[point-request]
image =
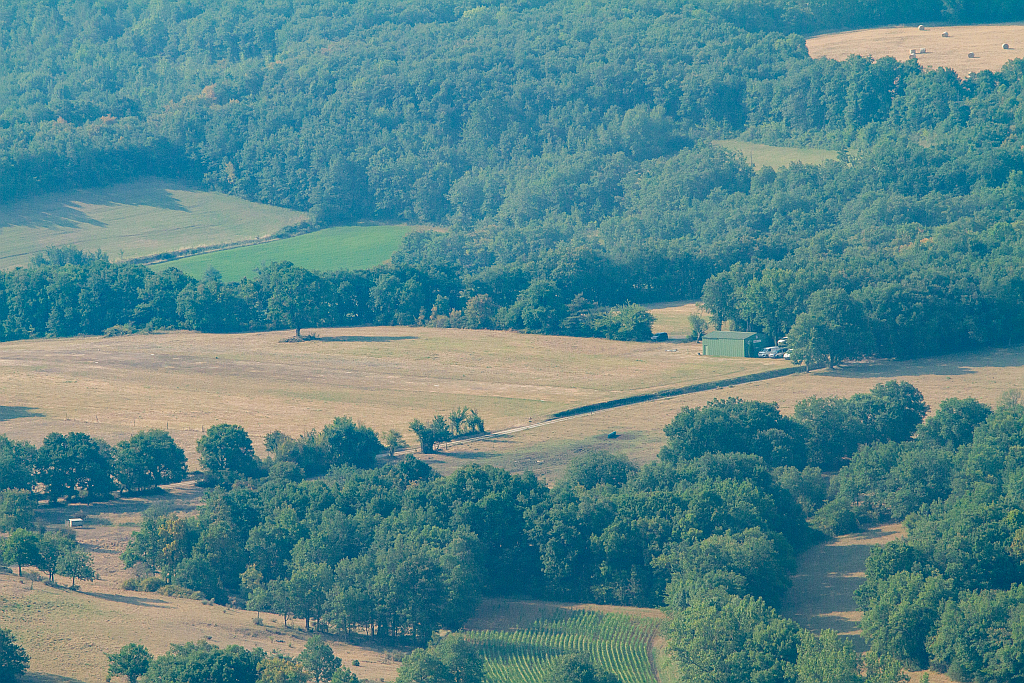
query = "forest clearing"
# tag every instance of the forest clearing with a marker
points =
(760, 156)
(346, 246)
(132, 220)
(111, 387)
(950, 52)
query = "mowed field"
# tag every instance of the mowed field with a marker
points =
(385, 377)
(66, 634)
(132, 220)
(985, 41)
(349, 247)
(184, 381)
(760, 155)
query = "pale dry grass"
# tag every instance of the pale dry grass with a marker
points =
(66, 633)
(134, 219)
(184, 381)
(985, 41)
(771, 156)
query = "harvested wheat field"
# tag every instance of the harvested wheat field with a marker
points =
(984, 41)
(66, 633)
(383, 376)
(547, 449)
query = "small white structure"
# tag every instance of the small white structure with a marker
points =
(913, 52)
(1006, 46)
(922, 51)
(945, 34)
(75, 522)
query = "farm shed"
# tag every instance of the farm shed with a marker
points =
(733, 344)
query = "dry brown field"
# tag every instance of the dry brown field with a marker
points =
(985, 41)
(184, 381)
(66, 634)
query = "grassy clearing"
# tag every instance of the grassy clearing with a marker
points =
(777, 157)
(345, 247)
(135, 219)
(385, 376)
(985, 41)
(617, 643)
(66, 633)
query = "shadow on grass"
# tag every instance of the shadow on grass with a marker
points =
(140, 601)
(358, 338)
(15, 412)
(37, 677)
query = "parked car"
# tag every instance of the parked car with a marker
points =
(787, 355)
(768, 351)
(784, 342)
(776, 352)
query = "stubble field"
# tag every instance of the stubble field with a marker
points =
(985, 41)
(134, 219)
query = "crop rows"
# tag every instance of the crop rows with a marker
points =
(615, 642)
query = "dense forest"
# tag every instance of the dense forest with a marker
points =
(325, 533)
(566, 147)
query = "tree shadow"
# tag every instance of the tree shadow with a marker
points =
(15, 412)
(140, 601)
(359, 338)
(38, 677)
(63, 210)
(949, 365)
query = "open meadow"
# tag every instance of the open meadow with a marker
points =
(771, 156)
(984, 41)
(348, 247)
(384, 376)
(66, 634)
(132, 220)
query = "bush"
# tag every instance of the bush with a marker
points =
(172, 591)
(835, 518)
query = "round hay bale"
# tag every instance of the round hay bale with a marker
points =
(913, 52)
(970, 55)
(1006, 46)
(945, 34)
(920, 27)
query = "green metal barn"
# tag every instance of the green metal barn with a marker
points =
(733, 344)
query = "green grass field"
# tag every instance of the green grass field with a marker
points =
(615, 642)
(135, 219)
(349, 247)
(777, 157)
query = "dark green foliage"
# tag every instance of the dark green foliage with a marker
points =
(593, 469)
(225, 448)
(207, 663)
(15, 464)
(17, 509)
(74, 465)
(76, 564)
(835, 427)
(21, 547)
(738, 639)
(13, 660)
(447, 660)
(831, 330)
(582, 185)
(735, 425)
(576, 668)
(147, 460)
(131, 661)
(318, 659)
(53, 546)
(954, 422)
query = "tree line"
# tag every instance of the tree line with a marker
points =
(586, 183)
